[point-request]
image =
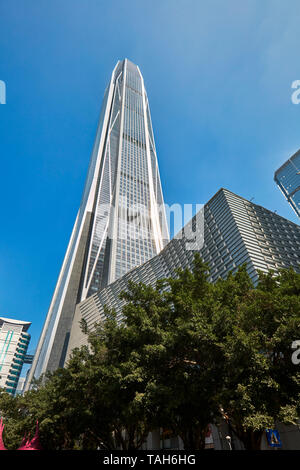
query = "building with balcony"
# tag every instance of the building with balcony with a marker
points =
(14, 341)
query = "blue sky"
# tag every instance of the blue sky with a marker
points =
(218, 76)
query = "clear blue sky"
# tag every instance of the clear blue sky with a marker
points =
(218, 76)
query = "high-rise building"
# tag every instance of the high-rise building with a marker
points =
(236, 232)
(287, 178)
(14, 340)
(121, 221)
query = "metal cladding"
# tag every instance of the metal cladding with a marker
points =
(235, 232)
(121, 222)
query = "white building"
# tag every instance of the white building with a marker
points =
(14, 341)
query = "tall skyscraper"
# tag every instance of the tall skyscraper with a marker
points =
(121, 222)
(287, 178)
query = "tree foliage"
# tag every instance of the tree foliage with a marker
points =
(185, 354)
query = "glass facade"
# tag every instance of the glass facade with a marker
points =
(123, 234)
(120, 222)
(287, 178)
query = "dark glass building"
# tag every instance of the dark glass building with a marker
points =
(287, 178)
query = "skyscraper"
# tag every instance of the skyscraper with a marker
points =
(287, 178)
(121, 222)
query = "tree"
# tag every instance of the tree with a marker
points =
(114, 386)
(169, 330)
(186, 353)
(261, 385)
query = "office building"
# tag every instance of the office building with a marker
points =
(287, 177)
(121, 222)
(236, 231)
(14, 341)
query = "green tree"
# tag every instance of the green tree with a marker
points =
(170, 332)
(186, 353)
(261, 384)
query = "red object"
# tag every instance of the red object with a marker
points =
(26, 444)
(34, 444)
(208, 432)
(2, 446)
(24, 440)
(35, 441)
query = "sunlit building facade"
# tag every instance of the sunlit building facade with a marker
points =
(235, 232)
(14, 341)
(121, 222)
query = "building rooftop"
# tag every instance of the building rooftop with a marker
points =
(26, 324)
